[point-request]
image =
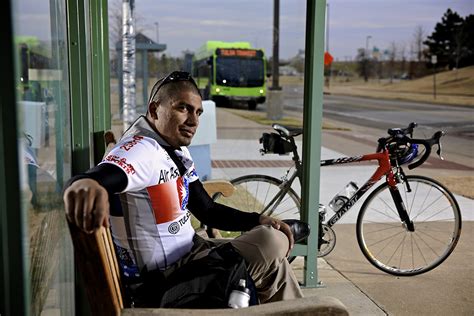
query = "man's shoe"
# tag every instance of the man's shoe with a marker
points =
(299, 229)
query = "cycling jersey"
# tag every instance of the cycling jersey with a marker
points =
(151, 227)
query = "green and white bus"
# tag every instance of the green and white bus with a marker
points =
(231, 71)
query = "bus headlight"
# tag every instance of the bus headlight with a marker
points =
(261, 91)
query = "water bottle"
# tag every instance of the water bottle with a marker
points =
(343, 196)
(240, 296)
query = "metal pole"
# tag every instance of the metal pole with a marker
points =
(327, 45)
(434, 81)
(157, 37)
(14, 250)
(312, 121)
(367, 46)
(128, 56)
(276, 44)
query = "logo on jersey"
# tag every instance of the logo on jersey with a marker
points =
(122, 163)
(173, 228)
(183, 191)
(167, 175)
(128, 145)
(193, 173)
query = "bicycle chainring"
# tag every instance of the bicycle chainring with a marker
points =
(327, 242)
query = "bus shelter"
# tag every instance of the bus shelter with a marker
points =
(77, 86)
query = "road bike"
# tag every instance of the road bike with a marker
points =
(406, 226)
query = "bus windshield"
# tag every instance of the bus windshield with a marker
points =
(239, 72)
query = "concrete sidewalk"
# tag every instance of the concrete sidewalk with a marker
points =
(238, 140)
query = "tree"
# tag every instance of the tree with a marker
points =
(418, 45)
(452, 41)
(364, 65)
(392, 54)
(403, 57)
(464, 49)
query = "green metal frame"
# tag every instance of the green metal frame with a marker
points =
(312, 121)
(80, 90)
(90, 83)
(100, 75)
(89, 91)
(14, 285)
(100, 64)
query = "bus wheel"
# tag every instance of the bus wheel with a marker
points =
(252, 104)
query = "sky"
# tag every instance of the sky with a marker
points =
(187, 24)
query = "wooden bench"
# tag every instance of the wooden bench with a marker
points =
(97, 264)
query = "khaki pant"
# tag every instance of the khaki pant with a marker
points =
(264, 248)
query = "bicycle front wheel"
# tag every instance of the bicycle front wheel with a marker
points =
(390, 246)
(262, 194)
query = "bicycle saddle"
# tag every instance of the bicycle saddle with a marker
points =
(288, 131)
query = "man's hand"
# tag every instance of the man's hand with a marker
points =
(278, 224)
(87, 205)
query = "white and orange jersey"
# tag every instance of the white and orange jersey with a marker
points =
(151, 226)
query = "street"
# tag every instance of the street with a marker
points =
(375, 116)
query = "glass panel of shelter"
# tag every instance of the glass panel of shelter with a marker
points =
(43, 107)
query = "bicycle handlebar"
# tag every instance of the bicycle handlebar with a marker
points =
(400, 137)
(427, 143)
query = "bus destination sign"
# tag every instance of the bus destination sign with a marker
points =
(238, 52)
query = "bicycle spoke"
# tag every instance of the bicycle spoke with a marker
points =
(419, 250)
(383, 229)
(265, 195)
(413, 200)
(436, 213)
(385, 239)
(393, 211)
(392, 239)
(430, 236)
(427, 207)
(386, 215)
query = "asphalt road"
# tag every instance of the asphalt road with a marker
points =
(379, 115)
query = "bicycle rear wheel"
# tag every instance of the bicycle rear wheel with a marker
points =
(261, 194)
(390, 246)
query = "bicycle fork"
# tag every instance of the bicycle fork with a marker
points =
(401, 209)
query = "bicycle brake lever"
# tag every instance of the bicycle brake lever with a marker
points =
(438, 142)
(439, 150)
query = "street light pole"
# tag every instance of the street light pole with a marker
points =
(157, 37)
(327, 27)
(276, 44)
(328, 79)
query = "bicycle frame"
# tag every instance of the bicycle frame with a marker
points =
(384, 168)
(383, 237)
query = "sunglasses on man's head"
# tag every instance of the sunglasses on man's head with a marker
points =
(175, 76)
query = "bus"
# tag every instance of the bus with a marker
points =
(230, 71)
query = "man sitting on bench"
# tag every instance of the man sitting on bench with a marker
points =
(152, 172)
